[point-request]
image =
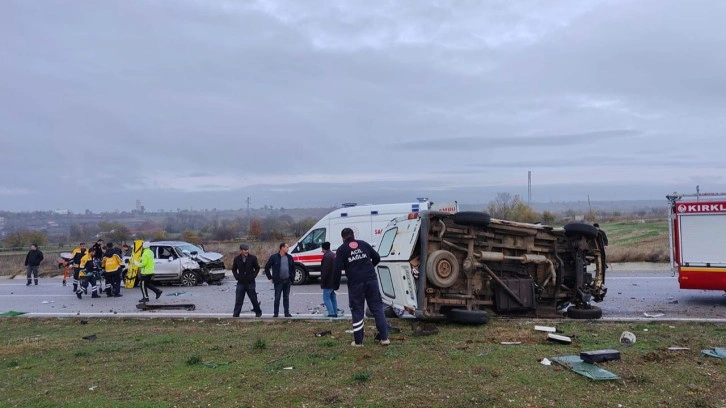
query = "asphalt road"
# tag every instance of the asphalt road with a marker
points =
(631, 294)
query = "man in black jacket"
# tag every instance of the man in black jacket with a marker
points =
(359, 261)
(327, 281)
(283, 270)
(245, 269)
(32, 262)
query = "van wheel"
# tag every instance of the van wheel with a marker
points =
(591, 312)
(468, 316)
(189, 278)
(442, 268)
(580, 228)
(475, 218)
(301, 275)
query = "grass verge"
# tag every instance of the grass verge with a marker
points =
(165, 362)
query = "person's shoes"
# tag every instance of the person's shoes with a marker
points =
(143, 300)
(28, 284)
(79, 295)
(118, 295)
(288, 315)
(158, 294)
(36, 281)
(258, 314)
(332, 315)
(275, 315)
(385, 342)
(64, 282)
(95, 295)
(354, 344)
(234, 315)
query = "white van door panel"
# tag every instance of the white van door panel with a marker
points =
(397, 285)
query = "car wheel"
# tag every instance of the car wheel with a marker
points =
(442, 268)
(301, 275)
(590, 312)
(189, 278)
(476, 218)
(468, 316)
(580, 228)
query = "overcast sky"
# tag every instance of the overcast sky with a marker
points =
(202, 103)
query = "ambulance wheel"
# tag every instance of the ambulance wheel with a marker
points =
(580, 228)
(301, 275)
(591, 312)
(442, 268)
(189, 278)
(476, 218)
(468, 316)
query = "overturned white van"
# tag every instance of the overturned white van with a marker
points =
(458, 266)
(367, 222)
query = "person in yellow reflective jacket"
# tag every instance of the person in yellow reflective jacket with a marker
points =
(146, 272)
(75, 262)
(87, 275)
(112, 266)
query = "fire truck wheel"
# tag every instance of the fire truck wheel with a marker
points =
(592, 312)
(442, 268)
(468, 316)
(301, 275)
(580, 228)
(476, 218)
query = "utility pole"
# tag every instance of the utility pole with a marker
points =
(529, 188)
(249, 220)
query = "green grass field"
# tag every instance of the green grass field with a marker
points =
(226, 363)
(637, 241)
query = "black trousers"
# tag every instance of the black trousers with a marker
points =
(250, 290)
(146, 285)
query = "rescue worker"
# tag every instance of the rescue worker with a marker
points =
(32, 262)
(112, 265)
(97, 251)
(245, 269)
(359, 259)
(146, 272)
(283, 269)
(87, 275)
(75, 261)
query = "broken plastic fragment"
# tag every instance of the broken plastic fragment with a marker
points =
(545, 361)
(627, 338)
(545, 329)
(652, 315)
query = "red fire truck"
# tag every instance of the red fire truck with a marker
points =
(697, 244)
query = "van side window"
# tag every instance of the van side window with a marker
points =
(313, 240)
(387, 242)
(384, 276)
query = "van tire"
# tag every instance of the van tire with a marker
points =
(580, 228)
(591, 312)
(301, 275)
(189, 278)
(468, 316)
(476, 218)
(442, 268)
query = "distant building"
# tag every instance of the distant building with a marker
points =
(61, 212)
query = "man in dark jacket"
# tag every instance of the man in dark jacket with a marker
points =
(32, 262)
(245, 269)
(283, 270)
(359, 261)
(327, 281)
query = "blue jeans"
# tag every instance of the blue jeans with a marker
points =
(331, 302)
(282, 288)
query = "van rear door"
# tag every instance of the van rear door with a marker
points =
(397, 250)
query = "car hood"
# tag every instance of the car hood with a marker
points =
(209, 256)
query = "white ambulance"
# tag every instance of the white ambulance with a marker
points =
(366, 221)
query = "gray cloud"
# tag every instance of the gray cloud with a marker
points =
(190, 101)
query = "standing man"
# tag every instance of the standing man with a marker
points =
(32, 262)
(97, 251)
(245, 269)
(112, 265)
(327, 281)
(146, 272)
(359, 259)
(75, 261)
(87, 275)
(283, 267)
